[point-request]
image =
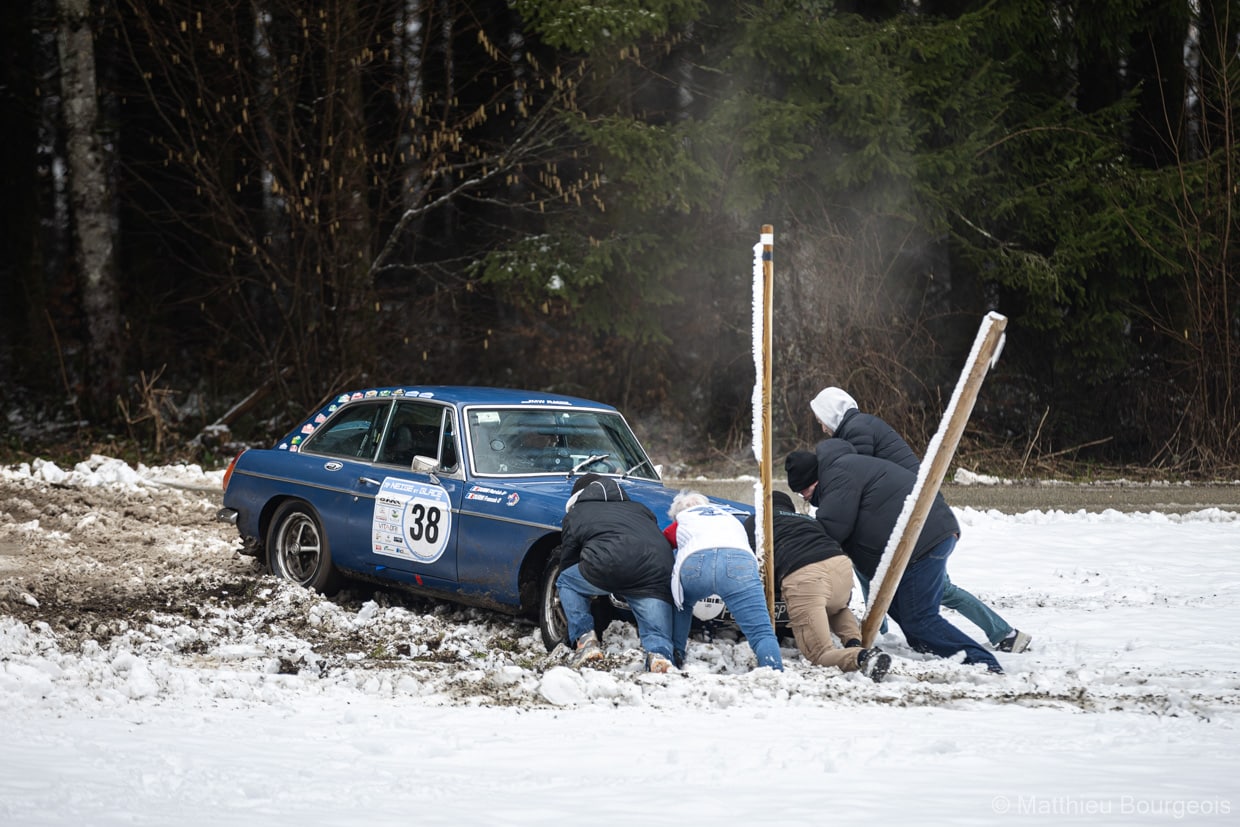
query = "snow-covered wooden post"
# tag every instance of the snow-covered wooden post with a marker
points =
(763, 279)
(986, 349)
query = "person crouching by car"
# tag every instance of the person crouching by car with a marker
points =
(612, 545)
(713, 558)
(815, 579)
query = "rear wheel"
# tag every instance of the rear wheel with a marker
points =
(298, 551)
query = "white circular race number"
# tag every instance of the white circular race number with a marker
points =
(411, 520)
(425, 525)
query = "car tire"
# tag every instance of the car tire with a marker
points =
(551, 620)
(298, 551)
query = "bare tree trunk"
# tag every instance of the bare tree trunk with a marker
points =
(92, 200)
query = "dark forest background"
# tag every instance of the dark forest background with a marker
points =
(220, 213)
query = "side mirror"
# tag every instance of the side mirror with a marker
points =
(425, 465)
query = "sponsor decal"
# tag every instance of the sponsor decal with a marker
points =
(483, 493)
(486, 498)
(513, 499)
(482, 489)
(333, 466)
(308, 428)
(411, 521)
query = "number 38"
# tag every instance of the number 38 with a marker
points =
(424, 523)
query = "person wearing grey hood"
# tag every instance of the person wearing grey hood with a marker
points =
(859, 500)
(839, 416)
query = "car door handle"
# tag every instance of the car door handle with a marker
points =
(369, 481)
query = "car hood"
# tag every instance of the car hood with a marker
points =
(544, 499)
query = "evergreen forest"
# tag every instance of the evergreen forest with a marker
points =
(217, 215)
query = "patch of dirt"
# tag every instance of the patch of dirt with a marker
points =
(91, 564)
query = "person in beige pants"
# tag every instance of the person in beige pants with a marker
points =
(815, 578)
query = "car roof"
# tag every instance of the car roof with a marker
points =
(456, 395)
(471, 395)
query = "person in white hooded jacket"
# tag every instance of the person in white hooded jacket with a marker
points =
(839, 416)
(713, 558)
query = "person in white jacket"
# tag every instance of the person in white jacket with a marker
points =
(713, 558)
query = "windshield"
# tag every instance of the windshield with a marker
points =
(522, 441)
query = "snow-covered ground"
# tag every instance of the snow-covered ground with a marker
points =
(149, 675)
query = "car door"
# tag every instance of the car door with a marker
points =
(410, 524)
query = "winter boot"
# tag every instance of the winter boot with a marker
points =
(873, 664)
(1015, 643)
(587, 650)
(657, 663)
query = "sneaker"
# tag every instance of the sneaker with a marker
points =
(1015, 643)
(873, 664)
(657, 663)
(587, 650)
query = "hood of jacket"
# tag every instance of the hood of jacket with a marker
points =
(830, 405)
(595, 488)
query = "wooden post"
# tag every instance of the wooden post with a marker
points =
(986, 349)
(763, 504)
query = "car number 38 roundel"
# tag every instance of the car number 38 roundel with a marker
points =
(411, 521)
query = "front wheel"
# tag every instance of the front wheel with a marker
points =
(298, 551)
(551, 620)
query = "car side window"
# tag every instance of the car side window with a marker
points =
(352, 433)
(415, 431)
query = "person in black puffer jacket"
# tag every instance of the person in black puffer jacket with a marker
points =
(871, 436)
(837, 412)
(815, 579)
(859, 500)
(612, 545)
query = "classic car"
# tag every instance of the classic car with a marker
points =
(450, 492)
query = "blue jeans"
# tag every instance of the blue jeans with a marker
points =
(654, 616)
(915, 607)
(981, 615)
(731, 573)
(954, 597)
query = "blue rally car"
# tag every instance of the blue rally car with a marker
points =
(450, 492)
